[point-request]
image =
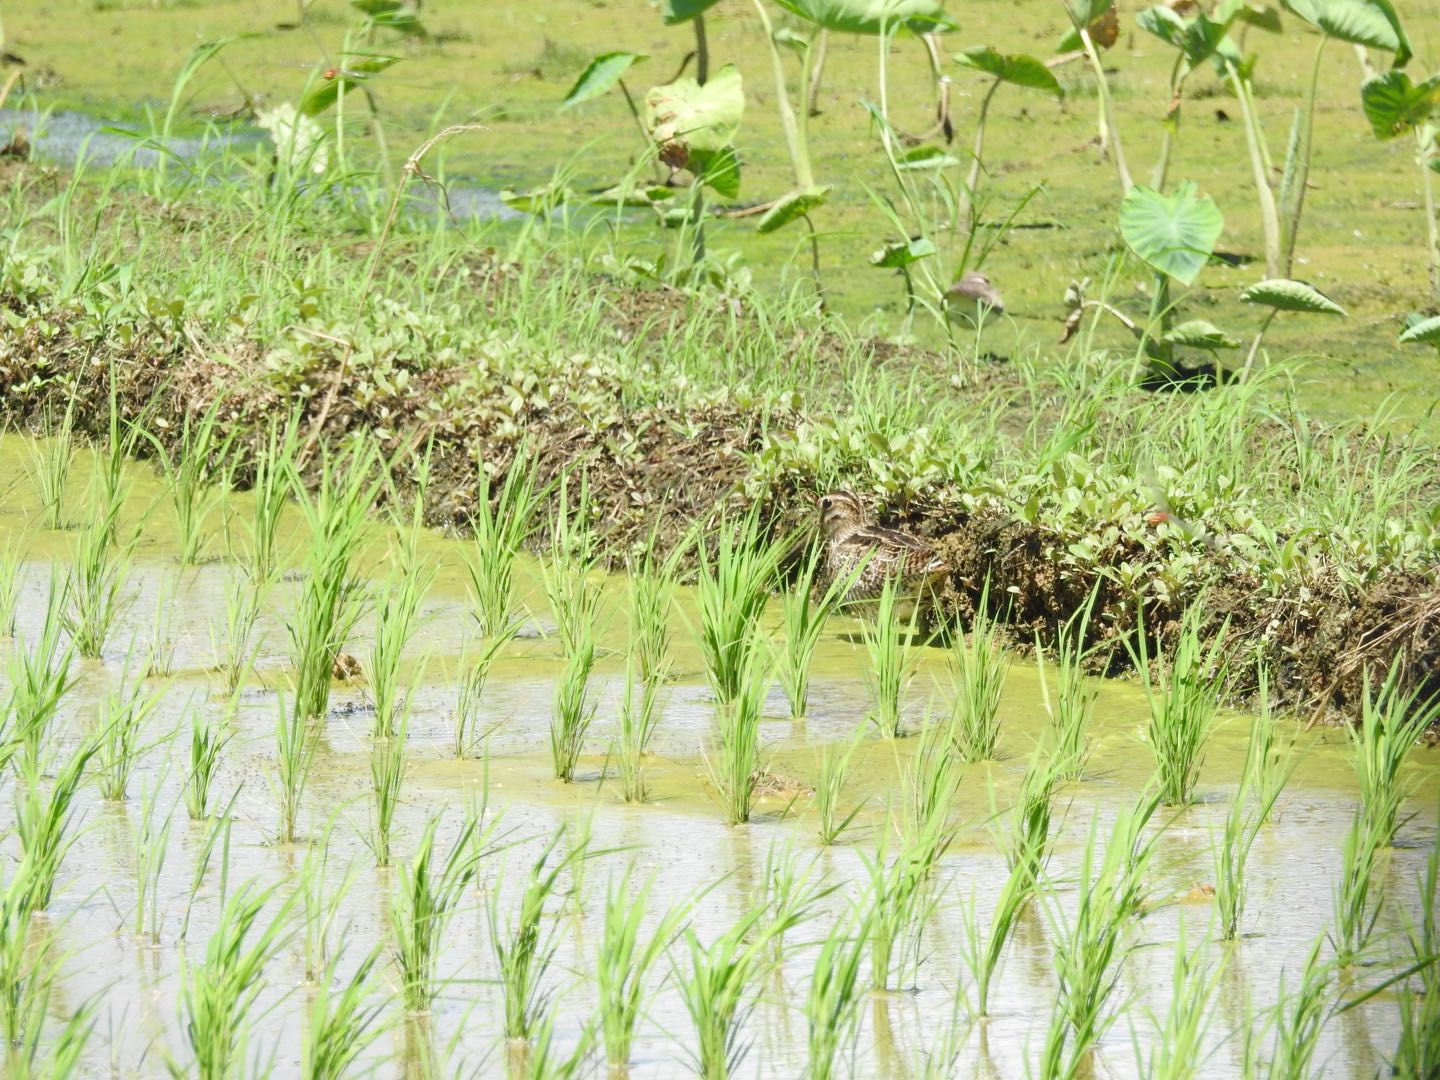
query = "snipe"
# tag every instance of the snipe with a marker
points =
(853, 541)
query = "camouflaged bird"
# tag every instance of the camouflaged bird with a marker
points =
(855, 545)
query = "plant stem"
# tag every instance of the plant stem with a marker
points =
(794, 140)
(1260, 168)
(1292, 193)
(817, 70)
(1255, 345)
(1424, 136)
(973, 180)
(1172, 123)
(702, 51)
(1109, 133)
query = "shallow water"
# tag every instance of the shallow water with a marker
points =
(678, 837)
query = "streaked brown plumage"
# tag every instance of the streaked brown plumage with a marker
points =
(851, 539)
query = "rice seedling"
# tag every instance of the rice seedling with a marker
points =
(1391, 722)
(575, 603)
(1183, 709)
(39, 678)
(295, 746)
(468, 738)
(160, 649)
(218, 993)
(718, 985)
(1299, 1019)
(207, 741)
(274, 465)
(890, 643)
(329, 603)
(1263, 781)
(397, 611)
(11, 578)
(638, 719)
(24, 967)
(43, 819)
(1074, 706)
(803, 621)
(540, 1060)
(50, 464)
(321, 899)
(189, 469)
(1027, 844)
(1268, 764)
(427, 895)
(733, 760)
(983, 951)
(387, 777)
(1178, 1049)
(978, 667)
(731, 587)
(652, 588)
(215, 833)
(343, 1020)
(524, 950)
(1091, 946)
(1358, 890)
(149, 849)
(95, 586)
(790, 894)
(626, 958)
(124, 714)
(832, 1001)
(1417, 1053)
(235, 643)
(502, 523)
(930, 779)
(902, 895)
(833, 768)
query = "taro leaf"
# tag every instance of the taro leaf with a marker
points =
(1099, 17)
(684, 116)
(395, 14)
(792, 205)
(1264, 18)
(902, 253)
(1014, 68)
(1197, 38)
(600, 75)
(1393, 105)
(869, 16)
(720, 169)
(1284, 294)
(539, 200)
(1199, 334)
(353, 74)
(1173, 233)
(626, 195)
(1425, 330)
(1362, 22)
(926, 157)
(678, 11)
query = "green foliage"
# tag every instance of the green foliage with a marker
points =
(1285, 295)
(427, 894)
(871, 16)
(600, 75)
(1175, 233)
(1015, 68)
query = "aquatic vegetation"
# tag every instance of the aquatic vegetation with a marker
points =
(804, 620)
(321, 901)
(387, 778)
(575, 603)
(638, 720)
(1182, 708)
(626, 959)
(207, 742)
(95, 586)
(1179, 1049)
(397, 610)
(44, 818)
(832, 769)
(978, 666)
(732, 583)
(119, 732)
(651, 595)
(1263, 780)
(467, 738)
(1359, 888)
(295, 746)
(1299, 1017)
(189, 471)
(894, 653)
(902, 894)
(1391, 722)
(1418, 1051)
(270, 490)
(572, 711)
(39, 677)
(1073, 710)
(732, 760)
(11, 559)
(341, 1024)
(234, 641)
(502, 522)
(150, 846)
(832, 1004)
(50, 464)
(523, 951)
(427, 895)
(930, 779)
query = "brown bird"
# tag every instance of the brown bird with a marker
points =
(854, 545)
(974, 298)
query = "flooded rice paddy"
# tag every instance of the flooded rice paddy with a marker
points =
(678, 838)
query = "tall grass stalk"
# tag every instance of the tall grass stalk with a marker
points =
(731, 588)
(894, 653)
(467, 737)
(218, 993)
(502, 523)
(295, 747)
(1262, 781)
(1359, 889)
(626, 958)
(639, 714)
(1418, 1051)
(235, 643)
(832, 1001)
(95, 587)
(150, 847)
(652, 590)
(427, 895)
(39, 678)
(189, 470)
(1392, 721)
(11, 579)
(50, 464)
(44, 818)
(1073, 708)
(978, 667)
(274, 467)
(207, 742)
(524, 950)
(387, 777)
(1178, 1049)
(902, 894)
(732, 762)
(1183, 707)
(345, 1017)
(124, 714)
(1299, 1019)
(329, 603)
(803, 622)
(833, 768)
(983, 951)
(719, 986)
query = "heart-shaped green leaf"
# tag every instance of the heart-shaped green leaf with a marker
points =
(903, 252)
(1199, 334)
(683, 116)
(1426, 331)
(1394, 105)
(792, 205)
(1197, 38)
(869, 16)
(1173, 233)
(1362, 22)
(352, 75)
(718, 169)
(1284, 294)
(600, 75)
(1016, 68)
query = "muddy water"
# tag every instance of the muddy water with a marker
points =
(679, 838)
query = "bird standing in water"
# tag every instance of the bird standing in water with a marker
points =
(872, 554)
